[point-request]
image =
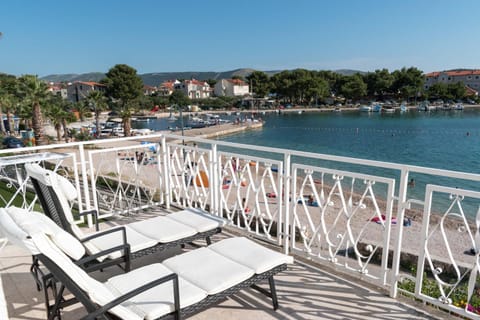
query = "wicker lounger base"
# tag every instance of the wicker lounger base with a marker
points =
(164, 246)
(251, 282)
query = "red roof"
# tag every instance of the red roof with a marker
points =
(196, 82)
(453, 73)
(90, 83)
(237, 82)
(168, 84)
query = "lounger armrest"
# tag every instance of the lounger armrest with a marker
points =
(125, 246)
(86, 259)
(105, 232)
(176, 296)
(94, 213)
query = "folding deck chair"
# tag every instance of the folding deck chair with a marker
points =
(178, 287)
(123, 243)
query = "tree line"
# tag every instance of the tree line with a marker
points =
(307, 87)
(28, 98)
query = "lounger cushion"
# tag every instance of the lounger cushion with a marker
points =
(12, 231)
(49, 177)
(157, 301)
(250, 254)
(65, 241)
(208, 270)
(136, 240)
(96, 290)
(197, 219)
(162, 229)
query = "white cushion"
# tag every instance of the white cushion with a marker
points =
(208, 270)
(98, 292)
(250, 254)
(12, 231)
(158, 300)
(197, 219)
(46, 177)
(32, 222)
(136, 240)
(66, 186)
(162, 229)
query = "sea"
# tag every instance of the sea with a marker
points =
(441, 139)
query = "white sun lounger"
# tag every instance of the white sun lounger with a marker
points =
(130, 241)
(178, 286)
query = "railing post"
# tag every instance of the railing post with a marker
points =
(214, 183)
(286, 178)
(166, 171)
(402, 200)
(86, 192)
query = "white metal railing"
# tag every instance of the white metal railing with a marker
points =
(347, 223)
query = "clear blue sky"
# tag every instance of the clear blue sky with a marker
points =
(53, 36)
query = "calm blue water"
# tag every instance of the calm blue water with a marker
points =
(444, 140)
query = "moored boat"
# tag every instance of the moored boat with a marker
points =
(365, 108)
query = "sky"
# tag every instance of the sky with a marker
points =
(57, 37)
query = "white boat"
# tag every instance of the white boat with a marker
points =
(403, 108)
(388, 109)
(172, 118)
(365, 108)
(425, 106)
(458, 106)
(337, 110)
(196, 122)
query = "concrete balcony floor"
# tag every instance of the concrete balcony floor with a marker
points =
(304, 292)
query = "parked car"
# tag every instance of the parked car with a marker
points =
(12, 142)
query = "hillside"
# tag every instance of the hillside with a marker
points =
(156, 78)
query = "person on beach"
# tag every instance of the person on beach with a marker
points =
(244, 205)
(411, 183)
(310, 200)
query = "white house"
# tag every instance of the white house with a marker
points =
(470, 78)
(231, 88)
(194, 89)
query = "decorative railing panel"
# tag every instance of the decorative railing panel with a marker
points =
(341, 217)
(125, 179)
(250, 194)
(449, 262)
(14, 178)
(190, 176)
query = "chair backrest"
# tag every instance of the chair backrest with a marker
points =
(54, 193)
(51, 244)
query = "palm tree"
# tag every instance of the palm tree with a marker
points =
(59, 114)
(34, 93)
(99, 102)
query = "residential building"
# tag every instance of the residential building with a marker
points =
(167, 87)
(58, 89)
(149, 90)
(231, 88)
(470, 78)
(79, 90)
(195, 89)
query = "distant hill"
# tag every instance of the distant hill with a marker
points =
(156, 78)
(71, 77)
